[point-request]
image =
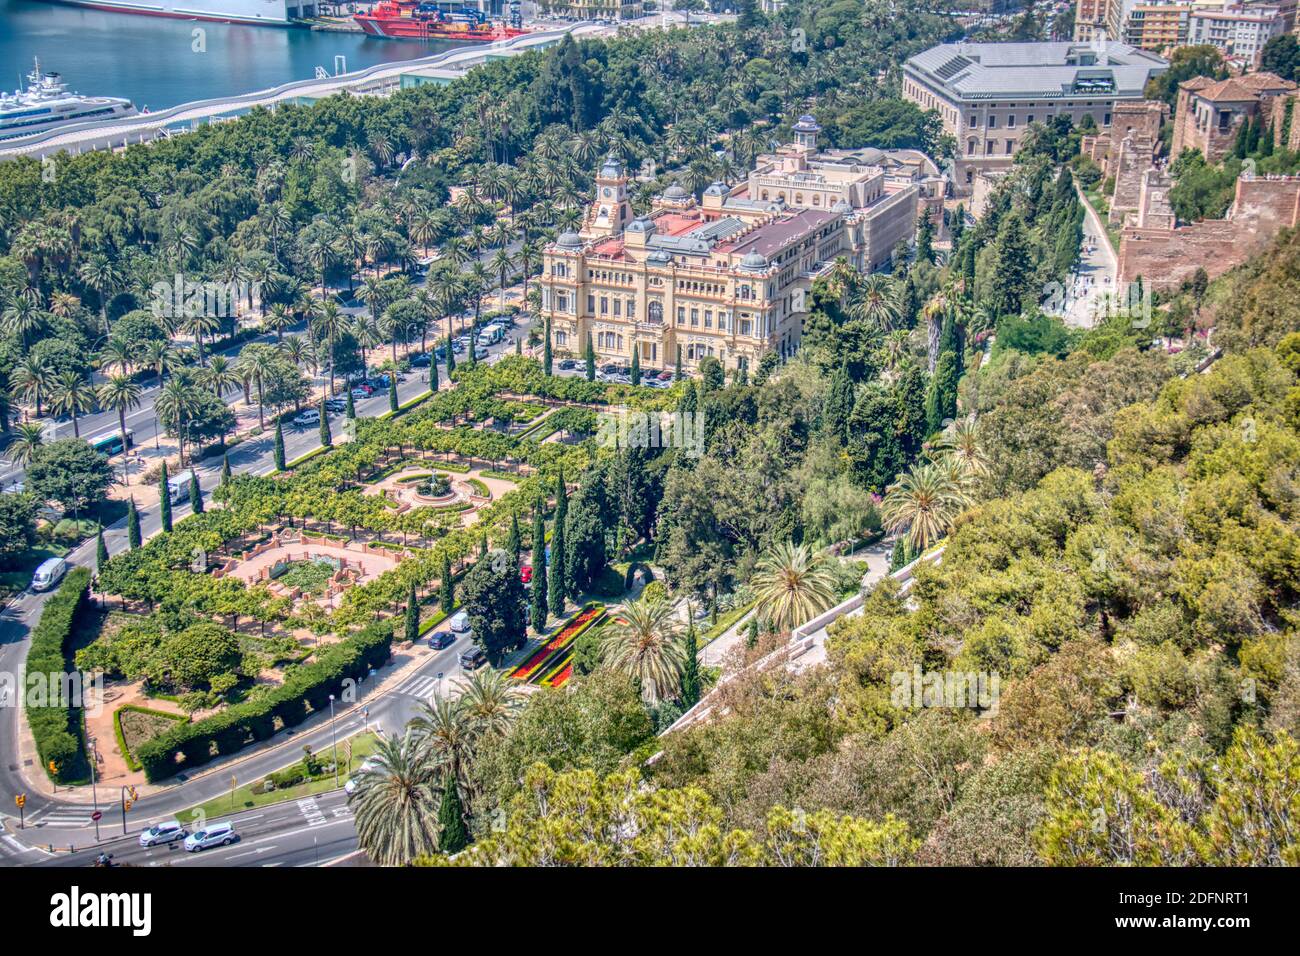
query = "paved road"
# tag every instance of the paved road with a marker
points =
(61, 823)
(1095, 275)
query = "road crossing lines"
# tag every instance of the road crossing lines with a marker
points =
(315, 816)
(422, 686)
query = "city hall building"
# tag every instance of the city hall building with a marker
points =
(727, 275)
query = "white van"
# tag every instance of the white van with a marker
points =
(167, 832)
(50, 573)
(178, 487)
(217, 834)
(460, 622)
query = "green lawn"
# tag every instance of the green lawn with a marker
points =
(363, 744)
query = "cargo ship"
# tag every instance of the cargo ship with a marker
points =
(46, 104)
(279, 13)
(412, 20)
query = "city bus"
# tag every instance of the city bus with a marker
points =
(111, 444)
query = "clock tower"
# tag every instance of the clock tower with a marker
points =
(611, 210)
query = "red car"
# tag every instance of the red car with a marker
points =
(526, 573)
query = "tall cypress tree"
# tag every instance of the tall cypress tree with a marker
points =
(101, 549)
(448, 587)
(839, 404)
(412, 616)
(196, 492)
(279, 447)
(351, 411)
(555, 573)
(433, 373)
(539, 584)
(691, 669)
(514, 543)
(392, 392)
(546, 348)
(326, 439)
(452, 836)
(589, 354)
(133, 539)
(677, 375)
(225, 467)
(451, 358)
(164, 499)
(636, 366)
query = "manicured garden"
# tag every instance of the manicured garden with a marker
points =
(546, 663)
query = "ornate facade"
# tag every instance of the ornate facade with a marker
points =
(727, 275)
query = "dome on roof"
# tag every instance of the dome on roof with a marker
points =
(842, 206)
(806, 122)
(659, 256)
(613, 168)
(754, 260)
(569, 240)
(641, 224)
(716, 189)
(675, 192)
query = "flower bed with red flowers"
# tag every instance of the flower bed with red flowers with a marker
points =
(556, 647)
(560, 673)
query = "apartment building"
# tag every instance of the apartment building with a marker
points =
(1157, 27)
(989, 94)
(1238, 31)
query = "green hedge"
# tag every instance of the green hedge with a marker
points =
(306, 690)
(56, 727)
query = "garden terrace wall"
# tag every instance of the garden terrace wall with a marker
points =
(56, 727)
(305, 690)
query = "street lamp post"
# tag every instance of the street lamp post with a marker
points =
(334, 742)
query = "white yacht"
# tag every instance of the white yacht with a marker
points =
(46, 104)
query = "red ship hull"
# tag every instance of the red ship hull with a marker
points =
(412, 28)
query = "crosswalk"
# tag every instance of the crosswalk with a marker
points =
(66, 818)
(421, 686)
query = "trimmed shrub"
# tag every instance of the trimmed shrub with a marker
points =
(309, 685)
(56, 726)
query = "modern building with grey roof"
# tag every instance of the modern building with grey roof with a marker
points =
(988, 94)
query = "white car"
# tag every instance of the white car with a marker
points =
(167, 832)
(310, 417)
(370, 763)
(217, 834)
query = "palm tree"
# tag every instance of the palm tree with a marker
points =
(254, 363)
(22, 317)
(27, 438)
(220, 375)
(876, 300)
(330, 323)
(491, 700)
(446, 733)
(200, 324)
(175, 405)
(502, 262)
(120, 394)
(33, 379)
(644, 642)
(793, 584)
(278, 319)
(396, 803)
(925, 501)
(72, 395)
(99, 273)
(961, 441)
(116, 354)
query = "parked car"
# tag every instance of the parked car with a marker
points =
(472, 659)
(167, 832)
(458, 345)
(568, 364)
(362, 391)
(336, 404)
(310, 416)
(480, 353)
(460, 622)
(216, 834)
(441, 640)
(421, 360)
(526, 573)
(610, 369)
